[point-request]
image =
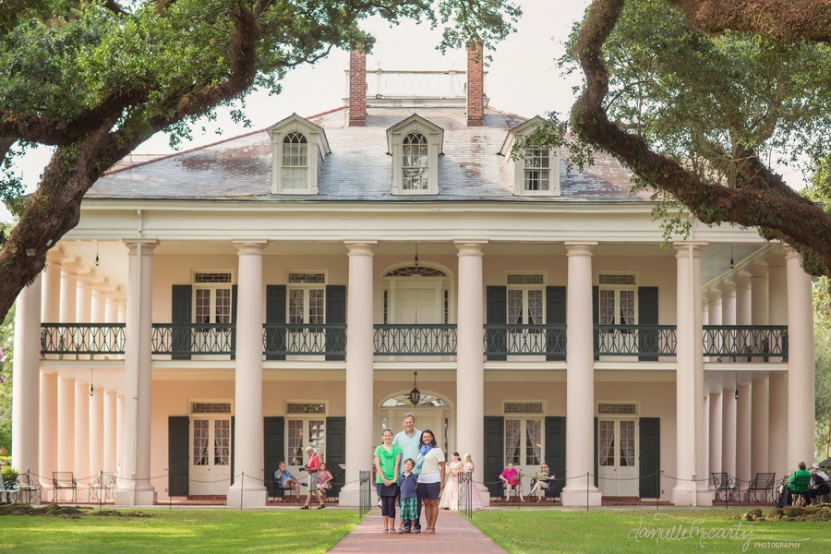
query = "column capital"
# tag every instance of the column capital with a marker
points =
(55, 256)
(471, 247)
(758, 269)
(147, 246)
(72, 266)
(741, 280)
(790, 253)
(712, 295)
(250, 247)
(579, 248)
(726, 287)
(361, 247)
(682, 247)
(776, 255)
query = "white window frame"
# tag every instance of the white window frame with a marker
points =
(395, 143)
(525, 289)
(213, 287)
(617, 289)
(306, 287)
(317, 148)
(518, 166)
(305, 419)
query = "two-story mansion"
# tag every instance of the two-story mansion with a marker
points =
(218, 309)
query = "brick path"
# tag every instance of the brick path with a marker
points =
(454, 534)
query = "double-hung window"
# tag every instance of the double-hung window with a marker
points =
(537, 172)
(295, 162)
(617, 296)
(415, 162)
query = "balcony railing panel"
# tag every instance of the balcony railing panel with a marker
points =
(645, 341)
(525, 340)
(193, 338)
(745, 341)
(82, 338)
(415, 340)
(282, 339)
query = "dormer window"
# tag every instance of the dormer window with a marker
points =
(415, 162)
(298, 148)
(536, 170)
(415, 145)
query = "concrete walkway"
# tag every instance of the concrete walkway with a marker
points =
(454, 534)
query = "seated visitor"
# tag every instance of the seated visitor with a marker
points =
(819, 485)
(510, 480)
(540, 482)
(285, 480)
(794, 486)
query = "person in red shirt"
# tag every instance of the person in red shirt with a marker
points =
(312, 467)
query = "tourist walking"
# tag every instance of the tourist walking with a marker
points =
(430, 463)
(387, 464)
(312, 467)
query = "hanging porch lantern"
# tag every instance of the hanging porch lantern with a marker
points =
(415, 394)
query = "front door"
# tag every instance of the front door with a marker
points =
(416, 305)
(210, 465)
(617, 462)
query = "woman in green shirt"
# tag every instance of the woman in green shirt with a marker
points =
(387, 464)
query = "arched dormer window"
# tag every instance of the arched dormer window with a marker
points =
(298, 151)
(295, 165)
(415, 162)
(536, 170)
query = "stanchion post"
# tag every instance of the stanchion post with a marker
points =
(658, 488)
(241, 490)
(587, 491)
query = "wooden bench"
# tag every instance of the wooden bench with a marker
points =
(64, 480)
(101, 487)
(725, 486)
(763, 482)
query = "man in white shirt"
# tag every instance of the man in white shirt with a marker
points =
(409, 441)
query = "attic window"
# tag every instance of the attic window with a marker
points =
(415, 164)
(415, 145)
(537, 169)
(295, 162)
(298, 152)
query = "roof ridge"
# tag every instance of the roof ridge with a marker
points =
(202, 147)
(508, 113)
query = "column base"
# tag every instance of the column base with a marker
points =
(124, 497)
(350, 496)
(485, 494)
(255, 496)
(579, 497)
(686, 497)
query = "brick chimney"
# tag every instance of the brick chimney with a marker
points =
(357, 87)
(475, 85)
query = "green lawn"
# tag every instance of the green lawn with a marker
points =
(180, 531)
(547, 531)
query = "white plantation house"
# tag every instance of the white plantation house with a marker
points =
(218, 309)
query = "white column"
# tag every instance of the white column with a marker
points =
(110, 310)
(470, 365)
(743, 434)
(759, 442)
(758, 300)
(82, 434)
(122, 313)
(66, 424)
(26, 391)
(134, 486)
(743, 308)
(691, 489)
(360, 402)
(728, 433)
(48, 435)
(51, 282)
(579, 377)
(83, 299)
(69, 286)
(119, 436)
(714, 312)
(715, 434)
(96, 431)
(777, 293)
(110, 432)
(98, 305)
(801, 362)
(728, 310)
(247, 489)
(706, 440)
(779, 460)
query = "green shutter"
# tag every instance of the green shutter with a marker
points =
(178, 450)
(494, 453)
(233, 448)
(648, 315)
(181, 313)
(335, 314)
(234, 322)
(555, 452)
(555, 315)
(596, 320)
(649, 460)
(336, 450)
(275, 312)
(273, 442)
(497, 313)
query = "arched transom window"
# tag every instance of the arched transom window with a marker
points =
(295, 162)
(404, 400)
(415, 166)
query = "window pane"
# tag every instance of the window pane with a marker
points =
(535, 307)
(414, 162)
(606, 443)
(295, 178)
(533, 442)
(536, 179)
(223, 306)
(627, 307)
(536, 157)
(627, 443)
(203, 306)
(316, 306)
(200, 442)
(295, 453)
(296, 306)
(317, 437)
(607, 307)
(222, 442)
(512, 438)
(515, 307)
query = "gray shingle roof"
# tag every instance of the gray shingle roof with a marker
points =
(358, 168)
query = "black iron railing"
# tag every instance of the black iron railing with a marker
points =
(297, 339)
(82, 338)
(193, 338)
(364, 494)
(522, 340)
(415, 340)
(741, 342)
(647, 341)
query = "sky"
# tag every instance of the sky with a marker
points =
(523, 77)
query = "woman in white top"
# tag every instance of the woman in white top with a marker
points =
(430, 478)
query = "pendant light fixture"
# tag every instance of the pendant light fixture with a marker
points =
(415, 394)
(415, 261)
(736, 392)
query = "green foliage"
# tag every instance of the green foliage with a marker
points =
(822, 376)
(9, 474)
(6, 355)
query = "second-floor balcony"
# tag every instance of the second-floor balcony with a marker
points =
(737, 343)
